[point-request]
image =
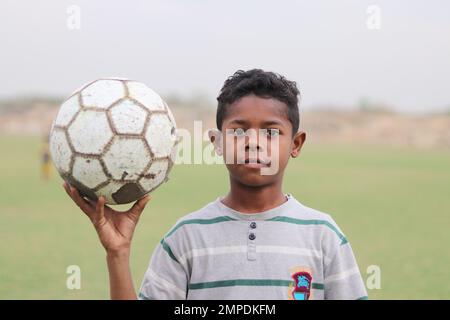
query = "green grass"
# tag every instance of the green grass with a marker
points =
(393, 205)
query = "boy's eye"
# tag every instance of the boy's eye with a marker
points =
(271, 132)
(239, 132)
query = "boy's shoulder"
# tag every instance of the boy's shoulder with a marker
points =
(208, 211)
(302, 211)
(311, 216)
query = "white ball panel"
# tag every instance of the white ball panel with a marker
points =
(155, 174)
(60, 151)
(81, 88)
(90, 132)
(67, 111)
(102, 93)
(127, 158)
(159, 135)
(88, 171)
(149, 98)
(128, 117)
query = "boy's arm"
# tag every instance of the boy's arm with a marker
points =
(120, 279)
(115, 230)
(167, 276)
(342, 279)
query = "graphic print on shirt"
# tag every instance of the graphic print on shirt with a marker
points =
(300, 289)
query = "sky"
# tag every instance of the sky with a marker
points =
(395, 53)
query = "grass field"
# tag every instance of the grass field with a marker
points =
(393, 205)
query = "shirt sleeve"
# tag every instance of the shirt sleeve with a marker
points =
(342, 279)
(165, 278)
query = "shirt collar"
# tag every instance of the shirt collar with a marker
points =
(264, 215)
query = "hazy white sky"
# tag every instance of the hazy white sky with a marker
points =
(192, 46)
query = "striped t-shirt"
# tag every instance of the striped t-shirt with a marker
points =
(288, 252)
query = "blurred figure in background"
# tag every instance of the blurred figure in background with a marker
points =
(46, 165)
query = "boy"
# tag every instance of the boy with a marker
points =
(254, 243)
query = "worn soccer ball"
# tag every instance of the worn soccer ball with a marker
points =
(114, 138)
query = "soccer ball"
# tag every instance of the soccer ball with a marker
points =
(114, 138)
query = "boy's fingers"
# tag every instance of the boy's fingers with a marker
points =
(66, 188)
(100, 211)
(85, 206)
(139, 206)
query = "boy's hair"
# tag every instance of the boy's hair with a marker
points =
(263, 84)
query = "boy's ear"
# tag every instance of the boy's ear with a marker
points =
(215, 136)
(297, 143)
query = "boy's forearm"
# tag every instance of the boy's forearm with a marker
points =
(120, 279)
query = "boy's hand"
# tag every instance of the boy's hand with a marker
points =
(115, 229)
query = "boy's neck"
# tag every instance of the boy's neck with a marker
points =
(250, 200)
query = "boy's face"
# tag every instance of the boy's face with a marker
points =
(257, 141)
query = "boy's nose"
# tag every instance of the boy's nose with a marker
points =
(253, 146)
(252, 142)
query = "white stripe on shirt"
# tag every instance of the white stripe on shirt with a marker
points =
(341, 276)
(166, 284)
(243, 249)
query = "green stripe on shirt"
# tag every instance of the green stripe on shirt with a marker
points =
(227, 218)
(201, 221)
(166, 248)
(312, 222)
(280, 219)
(141, 296)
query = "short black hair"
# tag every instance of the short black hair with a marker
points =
(263, 84)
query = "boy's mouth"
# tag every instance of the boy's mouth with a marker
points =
(256, 162)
